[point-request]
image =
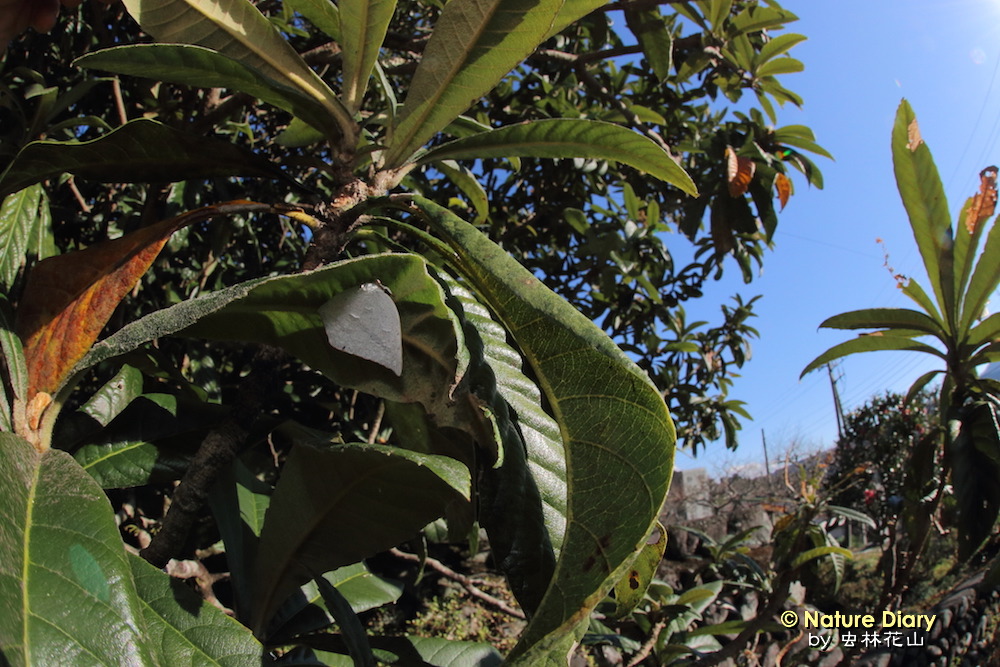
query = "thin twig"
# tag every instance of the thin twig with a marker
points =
(600, 90)
(84, 206)
(377, 423)
(116, 89)
(466, 583)
(787, 648)
(647, 647)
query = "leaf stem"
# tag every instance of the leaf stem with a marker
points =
(463, 580)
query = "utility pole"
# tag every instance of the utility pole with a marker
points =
(767, 464)
(838, 408)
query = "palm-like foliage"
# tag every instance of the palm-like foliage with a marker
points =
(951, 325)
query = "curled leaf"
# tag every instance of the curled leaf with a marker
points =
(984, 202)
(783, 185)
(740, 172)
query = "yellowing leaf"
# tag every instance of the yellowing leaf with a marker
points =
(69, 298)
(783, 185)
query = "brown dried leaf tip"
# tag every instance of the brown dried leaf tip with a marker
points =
(913, 138)
(984, 202)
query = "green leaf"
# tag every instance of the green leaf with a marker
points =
(114, 396)
(984, 281)
(12, 353)
(869, 343)
(139, 151)
(778, 45)
(362, 589)
(42, 242)
(784, 65)
(307, 612)
(700, 597)
(631, 589)
(473, 45)
(337, 505)
(239, 501)
(885, 318)
(986, 331)
(965, 247)
(923, 196)
(185, 629)
(163, 323)
(724, 628)
(717, 12)
(151, 441)
(351, 629)
(447, 653)
(819, 552)
(853, 514)
(791, 131)
(650, 28)
(253, 498)
(522, 497)
(567, 138)
(803, 143)
(919, 384)
(18, 217)
(913, 290)
(236, 28)
(205, 68)
(61, 555)
(321, 13)
(363, 24)
(298, 134)
(284, 311)
(617, 434)
(412, 651)
(760, 17)
(974, 454)
(571, 11)
(470, 186)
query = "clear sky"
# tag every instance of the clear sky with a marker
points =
(861, 58)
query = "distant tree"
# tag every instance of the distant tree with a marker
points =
(870, 459)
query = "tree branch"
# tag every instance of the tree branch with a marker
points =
(466, 583)
(217, 451)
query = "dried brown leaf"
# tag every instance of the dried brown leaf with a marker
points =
(984, 202)
(913, 138)
(783, 185)
(68, 299)
(740, 172)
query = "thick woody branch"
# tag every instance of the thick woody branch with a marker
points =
(217, 451)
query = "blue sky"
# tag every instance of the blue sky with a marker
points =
(861, 58)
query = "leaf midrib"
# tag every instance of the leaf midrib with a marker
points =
(263, 54)
(430, 103)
